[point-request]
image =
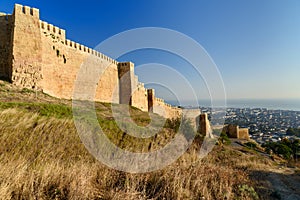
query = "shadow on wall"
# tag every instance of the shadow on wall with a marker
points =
(5, 45)
(6, 79)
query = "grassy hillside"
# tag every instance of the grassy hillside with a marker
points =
(42, 157)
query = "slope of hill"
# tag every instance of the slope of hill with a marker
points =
(42, 157)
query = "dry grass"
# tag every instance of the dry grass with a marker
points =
(42, 157)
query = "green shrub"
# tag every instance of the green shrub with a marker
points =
(293, 131)
(44, 109)
(173, 124)
(279, 148)
(251, 145)
(26, 90)
(246, 190)
(224, 139)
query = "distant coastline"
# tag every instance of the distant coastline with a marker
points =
(271, 104)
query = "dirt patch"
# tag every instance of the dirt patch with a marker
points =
(278, 183)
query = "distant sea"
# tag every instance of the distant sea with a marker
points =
(271, 104)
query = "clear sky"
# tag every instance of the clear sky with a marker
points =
(254, 43)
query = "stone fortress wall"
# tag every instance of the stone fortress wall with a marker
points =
(234, 131)
(5, 45)
(37, 55)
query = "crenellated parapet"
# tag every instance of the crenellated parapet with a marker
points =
(85, 49)
(159, 100)
(59, 34)
(5, 17)
(161, 107)
(37, 55)
(54, 31)
(26, 10)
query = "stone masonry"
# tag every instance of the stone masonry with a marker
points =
(37, 55)
(234, 131)
(204, 126)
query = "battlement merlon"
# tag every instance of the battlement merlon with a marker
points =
(26, 10)
(125, 67)
(51, 29)
(4, 14)
(57, 32)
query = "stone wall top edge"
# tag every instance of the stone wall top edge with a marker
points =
(26, 10)
(72, 44)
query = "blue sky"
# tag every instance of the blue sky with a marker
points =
(255, 44)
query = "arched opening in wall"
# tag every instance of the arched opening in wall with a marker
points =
(59, 32)
(53, 47)
(65, 60)
(57, 53)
